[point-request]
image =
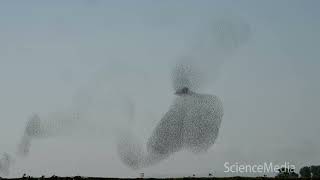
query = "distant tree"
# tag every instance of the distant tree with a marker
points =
(305, 172)
(286, 173)
(54, 177)
(315, 170)
(77, 178)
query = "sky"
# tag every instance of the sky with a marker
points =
(111, 59)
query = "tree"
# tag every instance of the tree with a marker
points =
(305, 172)
(315, 170)
(286, 173)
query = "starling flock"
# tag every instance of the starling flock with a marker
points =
(192, 122)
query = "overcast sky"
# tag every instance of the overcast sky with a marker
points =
(112, 59)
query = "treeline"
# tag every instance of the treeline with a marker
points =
(305, 172)
(310, 171)
(284, 173)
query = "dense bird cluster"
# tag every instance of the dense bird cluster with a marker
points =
(191, 123)
(193, 120)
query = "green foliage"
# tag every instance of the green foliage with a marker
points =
(305, 172)
(310, 171)
(286, 173)
(315, 170)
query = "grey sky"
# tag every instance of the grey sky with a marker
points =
(100, 56)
